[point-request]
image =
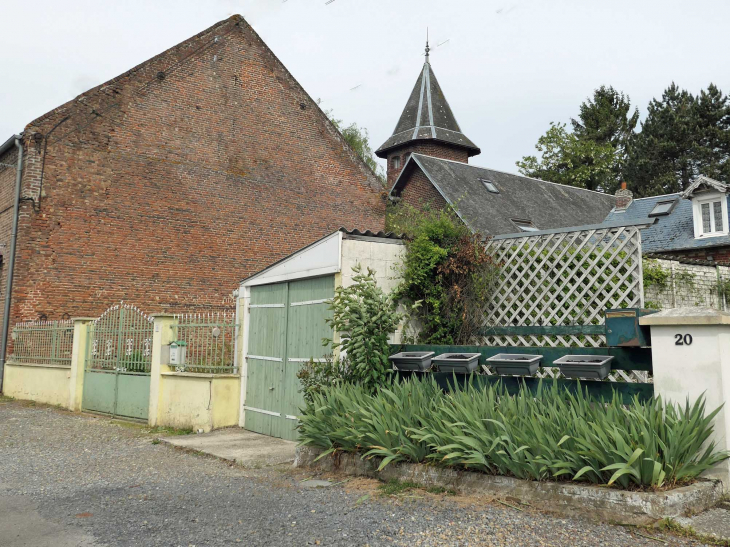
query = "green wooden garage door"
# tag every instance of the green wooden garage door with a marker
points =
(287, 324)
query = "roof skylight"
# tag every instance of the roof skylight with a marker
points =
(663, 208)
(489, 185)
(524, 225)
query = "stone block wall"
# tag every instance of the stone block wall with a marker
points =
(674, 284)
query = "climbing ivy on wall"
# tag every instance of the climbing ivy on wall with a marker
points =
(447, 274)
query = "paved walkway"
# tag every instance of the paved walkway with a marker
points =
(71, 480)
(237, 445)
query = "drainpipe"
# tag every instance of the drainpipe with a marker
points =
(18, 143)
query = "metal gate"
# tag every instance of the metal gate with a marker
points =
(286, 328)
(118, 361)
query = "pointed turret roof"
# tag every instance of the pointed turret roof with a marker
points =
(427, 117)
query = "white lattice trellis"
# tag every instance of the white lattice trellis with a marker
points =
(564, 277)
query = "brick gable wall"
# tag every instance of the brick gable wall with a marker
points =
(167, 191)
(419, 192)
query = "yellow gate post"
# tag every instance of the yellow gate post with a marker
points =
(78, 361)
(164, 333)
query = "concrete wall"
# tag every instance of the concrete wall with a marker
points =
(687, 284)
(199, 401)
(48, 384)
(384, 256)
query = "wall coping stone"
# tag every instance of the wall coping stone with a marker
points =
(204, 375)
(38, 365)
(686, 316)
(570, 499)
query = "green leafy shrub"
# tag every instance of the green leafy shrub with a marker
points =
(363, 317)
(544, 435)
(314, 376)
(447, 272)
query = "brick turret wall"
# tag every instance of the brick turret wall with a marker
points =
(427, 148)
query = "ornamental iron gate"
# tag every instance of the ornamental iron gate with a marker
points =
(118, 362)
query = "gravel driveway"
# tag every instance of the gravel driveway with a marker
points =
(74, 480)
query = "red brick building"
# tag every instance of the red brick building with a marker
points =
(170, 183)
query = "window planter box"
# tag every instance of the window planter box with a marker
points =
(461, 363)
(584, 366)
(412, 360)
(511, 364)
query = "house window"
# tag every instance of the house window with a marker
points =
(524, 225)
(663, 208)
(710, 216)
(489, 185)
(395, 162)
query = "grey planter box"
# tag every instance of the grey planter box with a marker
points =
(512, 364)
(584, 366)
(462, 363)
(412, 360)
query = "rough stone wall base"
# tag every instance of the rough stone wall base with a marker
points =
(595, 502)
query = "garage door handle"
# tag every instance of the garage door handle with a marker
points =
(271, 389)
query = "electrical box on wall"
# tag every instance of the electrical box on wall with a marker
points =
(178, 351)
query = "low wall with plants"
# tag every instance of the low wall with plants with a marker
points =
(675, 284)
(548, 434)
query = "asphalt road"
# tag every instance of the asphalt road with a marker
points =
(69, 480)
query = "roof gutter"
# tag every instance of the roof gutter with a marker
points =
(17, 142)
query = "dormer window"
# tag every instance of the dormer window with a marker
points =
(710, 215)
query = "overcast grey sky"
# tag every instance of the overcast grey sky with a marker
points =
(508, 69)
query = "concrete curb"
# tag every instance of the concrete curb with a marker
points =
(594, 502)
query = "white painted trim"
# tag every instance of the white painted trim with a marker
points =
(261, 358)
(266, 305)
(316, 272)
(262, 411)
(697, 214)
(244, 351)
(290, 417)
(310, 302)
(305, 360)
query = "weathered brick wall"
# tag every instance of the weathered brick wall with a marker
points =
(684, 284)
(719, 255)
(169, 184)
(435, 149)
(419, 192)
(7, 194)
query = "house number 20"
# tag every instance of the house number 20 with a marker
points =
(682, 339)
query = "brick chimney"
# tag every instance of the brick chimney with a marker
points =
(624, 197)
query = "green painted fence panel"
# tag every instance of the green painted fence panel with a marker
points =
(133, 395)
(624, 359)
(99, 391)
(601, 390)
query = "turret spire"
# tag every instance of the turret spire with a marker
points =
(427, 117)
(427, 48)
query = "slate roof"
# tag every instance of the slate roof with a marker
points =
(672, 232)
(427, 117)
(546, 204)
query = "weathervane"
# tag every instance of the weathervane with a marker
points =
(427, 48)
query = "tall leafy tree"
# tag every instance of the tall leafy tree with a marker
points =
(567, 159)
(606, 118)
(594, 155)
(682, 137)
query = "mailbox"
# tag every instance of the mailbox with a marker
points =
(623, 329)
(178, 349)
